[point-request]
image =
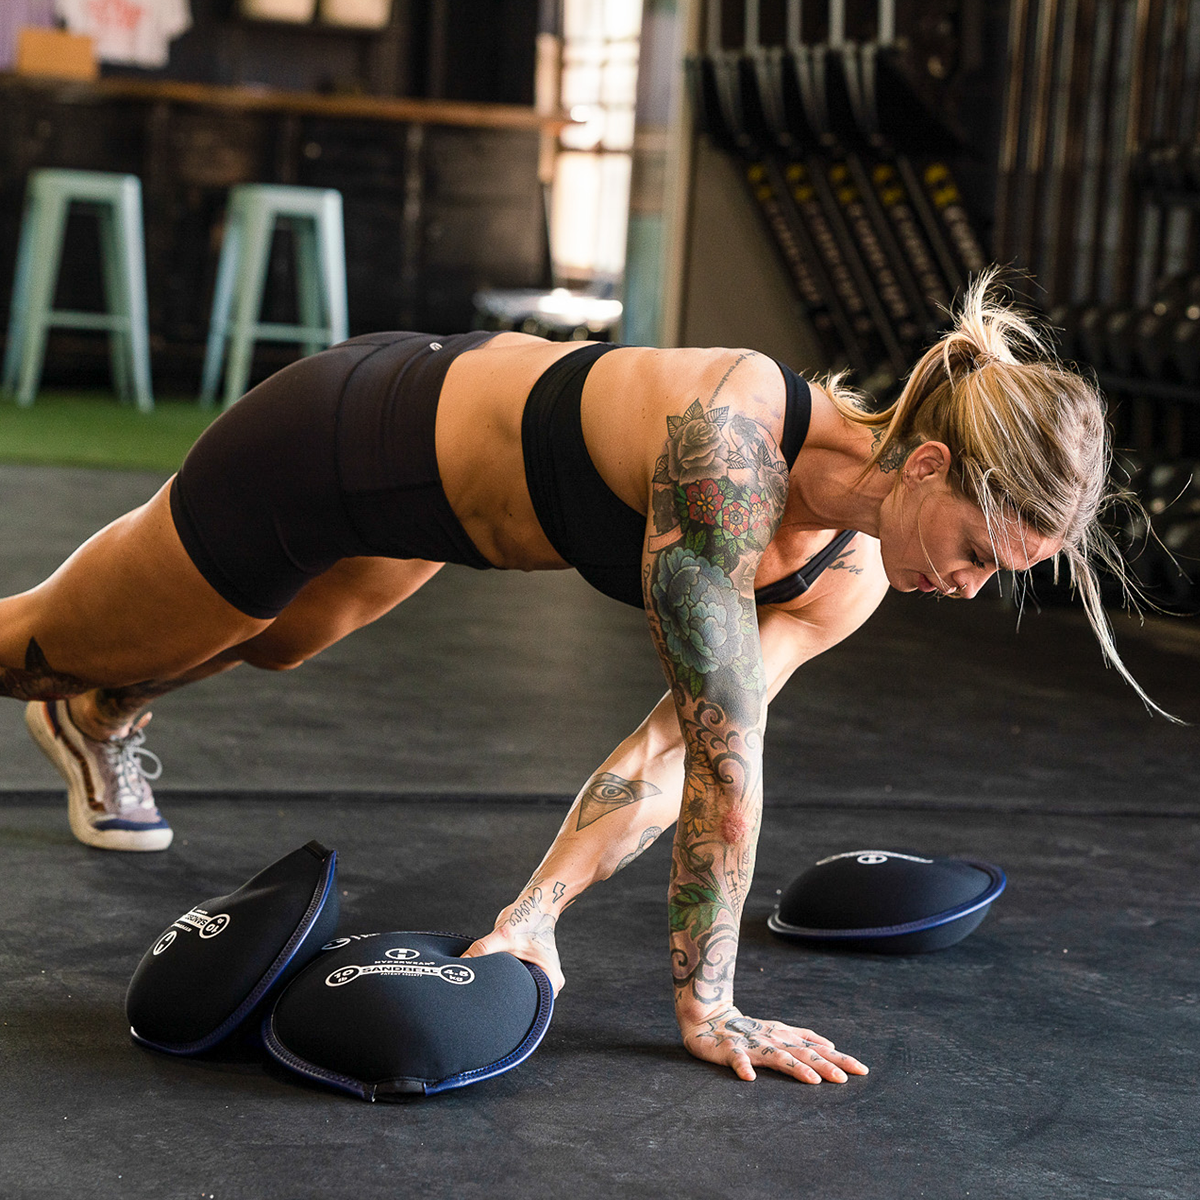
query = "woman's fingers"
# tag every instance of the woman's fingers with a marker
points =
(745, 1044)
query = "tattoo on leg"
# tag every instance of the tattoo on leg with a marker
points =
(116, 705)
(38, 680)
(607, 792)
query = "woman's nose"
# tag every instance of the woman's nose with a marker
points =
(969, 581)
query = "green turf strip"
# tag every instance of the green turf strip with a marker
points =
(91, 429)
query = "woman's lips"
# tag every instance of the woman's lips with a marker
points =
(925, 584)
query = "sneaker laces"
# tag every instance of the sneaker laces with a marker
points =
(127, 756)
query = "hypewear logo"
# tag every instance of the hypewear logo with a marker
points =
(872, 858)
(449, 972)
(208, 925)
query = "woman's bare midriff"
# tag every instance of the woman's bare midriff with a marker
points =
(627, 398)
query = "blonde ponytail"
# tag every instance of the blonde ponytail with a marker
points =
(1028, 439)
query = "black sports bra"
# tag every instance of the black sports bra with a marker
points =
(591, 527)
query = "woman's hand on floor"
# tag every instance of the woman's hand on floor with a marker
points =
(742, 1043)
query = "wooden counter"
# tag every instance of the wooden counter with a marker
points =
(272, 100)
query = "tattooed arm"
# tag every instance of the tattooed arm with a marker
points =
(634, 795)
(619, 812)
(719, 492)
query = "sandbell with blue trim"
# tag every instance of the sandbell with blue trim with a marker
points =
(389, 1015)
(214, 965)
(887, 901)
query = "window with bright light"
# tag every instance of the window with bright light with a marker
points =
(590, 204)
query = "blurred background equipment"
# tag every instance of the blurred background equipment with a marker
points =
(818, 179)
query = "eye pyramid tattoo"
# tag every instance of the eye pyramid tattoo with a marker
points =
(608, 792)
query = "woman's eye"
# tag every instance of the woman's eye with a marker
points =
(976, 561)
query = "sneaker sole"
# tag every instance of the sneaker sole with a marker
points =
(78, 812)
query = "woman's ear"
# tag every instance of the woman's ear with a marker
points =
(927, 461)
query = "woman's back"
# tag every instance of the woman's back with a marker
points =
(626, 401)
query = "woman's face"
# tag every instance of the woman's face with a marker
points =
(935, 540)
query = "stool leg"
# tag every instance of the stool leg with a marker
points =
(308, 279)
(47, 256)
(332, 242)
(20, 296)
(117, 298)
(248, 294)
(218, 324)
(133, 264)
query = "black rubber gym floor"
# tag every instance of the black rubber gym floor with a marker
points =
(1053, 1053)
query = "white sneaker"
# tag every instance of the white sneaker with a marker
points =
(109, 800)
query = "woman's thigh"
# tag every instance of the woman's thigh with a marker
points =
(352, 593)
(127, 606)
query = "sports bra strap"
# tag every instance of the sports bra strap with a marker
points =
(791, 586)
(797, 413)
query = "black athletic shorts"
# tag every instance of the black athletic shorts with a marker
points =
(330, 458)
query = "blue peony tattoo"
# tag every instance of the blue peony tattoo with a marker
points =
(700, 612)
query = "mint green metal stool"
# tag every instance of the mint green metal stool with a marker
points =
(117, 202)
(315, 217)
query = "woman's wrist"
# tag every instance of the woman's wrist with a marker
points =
(535, 910)
(691, 1011)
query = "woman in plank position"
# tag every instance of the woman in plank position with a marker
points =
(711, 487)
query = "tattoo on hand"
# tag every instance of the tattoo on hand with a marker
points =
(530, 920)
(607, 792)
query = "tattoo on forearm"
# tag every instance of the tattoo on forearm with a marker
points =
(38, 680)
(644, 843)
(607, 792)
(719, 491)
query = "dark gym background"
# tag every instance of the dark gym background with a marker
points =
(813, 179)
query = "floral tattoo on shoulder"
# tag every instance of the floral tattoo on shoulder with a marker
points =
(719, 487)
